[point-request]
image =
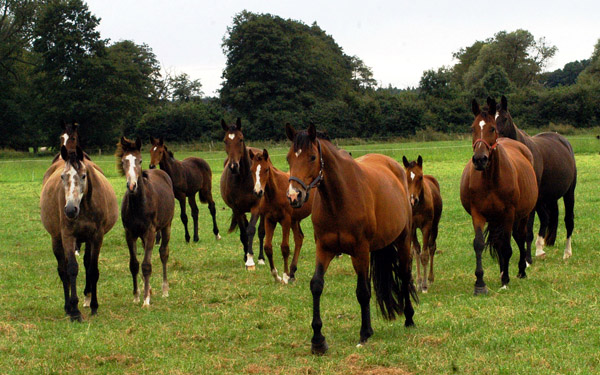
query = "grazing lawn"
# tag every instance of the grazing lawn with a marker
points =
(222, 319)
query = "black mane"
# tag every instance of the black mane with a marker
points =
(303, 139)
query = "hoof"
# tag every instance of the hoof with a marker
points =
(136, 299)
(187, 238)
(522, 275)
(76, 317)
(218, 236)
(250, 268)
(424, 291)
(409, 323)
(285, 279)
(567, 255)
(319, 349)
(261, 262)
(480, 290)
(540, 254)
(504, 287)
(165, 289)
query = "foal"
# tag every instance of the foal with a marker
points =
(147, 208)
(426, 202)
(270, 183)
(190, 176)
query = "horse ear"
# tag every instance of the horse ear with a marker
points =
(475, 108)
(124, 142)
(224, 125)
(504, 103)
(290, 132)
(161, 141)
(238, 124)
(265, 154)
(152, 140)
(251, 154)
(64, 154)
(79, 153)
(404, 161)
(74, 126)
(420, 161)
(312, 132)
(491, 106)
(138, 143)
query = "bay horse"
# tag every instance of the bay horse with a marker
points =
(498, 186)
(554, 164)
(237, 186)
(190, 176)
(78, 204)
(147, 208)
(360, 208)
(426, 202)
(271, 184)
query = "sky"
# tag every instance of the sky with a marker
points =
(398, 40)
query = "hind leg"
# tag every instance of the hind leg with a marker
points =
(407, 289)
(569, 200)
(270, 228)
(213, 213)
(261, 237)
(542, 211)
(164, 258)
(298, 239)
(529, 238)
(96, 244)
(552, 223)
(433, 247)
(426, 231)
(520, 235)
(416, 251)
(184, 219)
(195, 211)
(87, 290)
(363, 291)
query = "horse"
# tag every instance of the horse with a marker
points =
(70, 139)
(190, 176)
(147, 208)
(361, 208)
(498, 186)
(426, 202)
(78, 204)
(236, 189)
(554, 164)
(270, 184)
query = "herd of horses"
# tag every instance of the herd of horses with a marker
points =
(368, 208)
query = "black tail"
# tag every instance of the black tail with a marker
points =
(233, 224)
(493, 236)
(388, 275)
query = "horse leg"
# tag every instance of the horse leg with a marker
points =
(569, 201)
(87, 291)
(529, 238)
(323, 258)
(184, 219)
(553, 223)
(478, 246)
(426, 231)
(148, 243)
(433, 245)
(542, 211)
(261, 236)
(363, 291)
(298, 239)
(72, 271)
(164, 258)
(59, 253)
(270, 228)
(134, 265)
(213, 213)
(250, 230)
(195, 211)
(520, 235)
(285, 248)
(248, 257)
(416, 249)
(506, 251)
(94, 273)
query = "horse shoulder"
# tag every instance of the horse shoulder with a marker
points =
(50, 204)
(103, 197)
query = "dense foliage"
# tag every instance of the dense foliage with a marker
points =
(55, 67)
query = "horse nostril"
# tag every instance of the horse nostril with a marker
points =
(152, 166)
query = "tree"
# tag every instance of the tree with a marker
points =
(566, 76)
(182, 88)
(437, 84)
(362, 76)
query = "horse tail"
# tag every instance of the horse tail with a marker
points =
(233, 224)
(493, 236)
(392, 281)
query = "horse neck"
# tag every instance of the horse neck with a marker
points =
(337, 178)
(168, 164)
(497, 159)
(138, 199)
(276, 182)
(245, 163)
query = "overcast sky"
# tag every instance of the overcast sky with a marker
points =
(398, 39)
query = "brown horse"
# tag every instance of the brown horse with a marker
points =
(147, 209)
(498, 186)
(360, 208)
(237, 184)
(70, 139)
(190, 176)
(554, 164)
(426, 202)
(78, 204)
(271, 184)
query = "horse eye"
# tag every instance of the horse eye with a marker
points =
(83, 176)
(493, 130)
(313, 158)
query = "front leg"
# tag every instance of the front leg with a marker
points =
(149, 237)
(478, 246)
(251, 229)
(95, 246)
(298, 239)
(68, 242)
(184, 219)
(318, 342)
(285, 248)
(134, 265)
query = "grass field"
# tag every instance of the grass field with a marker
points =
(221, 319)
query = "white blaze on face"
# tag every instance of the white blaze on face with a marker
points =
(481, 124)
(497, 114)
(131, 174)
(257, 186)
(231, 136)
(412, 175)
(72, 194)
(65, 138)
(154, 149)
(298, 152)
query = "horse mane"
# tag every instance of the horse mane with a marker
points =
(412, 164)
(303, 139)
(119, 155)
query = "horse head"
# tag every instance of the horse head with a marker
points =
(306, 164)
(414, 173)
(70, 136)
(74, 179)
(504, 122)
(129, 161)
(234, 144)
(485, 136)
(158, 150)
(260, 169)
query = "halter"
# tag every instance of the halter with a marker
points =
(317, 180)
(481, 140)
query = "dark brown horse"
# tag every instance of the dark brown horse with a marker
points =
(190, 176)
(78, 204)
(237, 184)
(271, 184)
(554, 164)
(360, 208)
(70, 139)
(147, 209)
(426, 202)
(498, 186)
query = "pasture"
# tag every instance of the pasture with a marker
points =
(221, 319)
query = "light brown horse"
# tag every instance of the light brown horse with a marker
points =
(426, 202)
(554, 164)
(147, 209)
(78, 204)
(360, 208)
(498, 187)
(271, 184)
(190, 176)
(236, 189)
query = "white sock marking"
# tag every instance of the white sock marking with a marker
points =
(286, 278)
(539, 246)
(146, 301)
(568, 250)
(87, 300)
(250, 261)
(276, 275)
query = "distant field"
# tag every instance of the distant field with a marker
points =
(221, 319)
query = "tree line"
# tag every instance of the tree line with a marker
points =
(55, 67)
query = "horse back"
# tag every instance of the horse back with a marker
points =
(560, 170)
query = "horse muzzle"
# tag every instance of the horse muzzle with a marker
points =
(480, 162)
(131, 187)
(71, 211)
(258, 194)
(152, 166)
(234, 167)
(296, 197)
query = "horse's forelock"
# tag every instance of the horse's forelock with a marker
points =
(302, 139)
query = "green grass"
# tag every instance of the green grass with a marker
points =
(220, 318)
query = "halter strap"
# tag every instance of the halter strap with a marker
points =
(317, 180)
(481, 140)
